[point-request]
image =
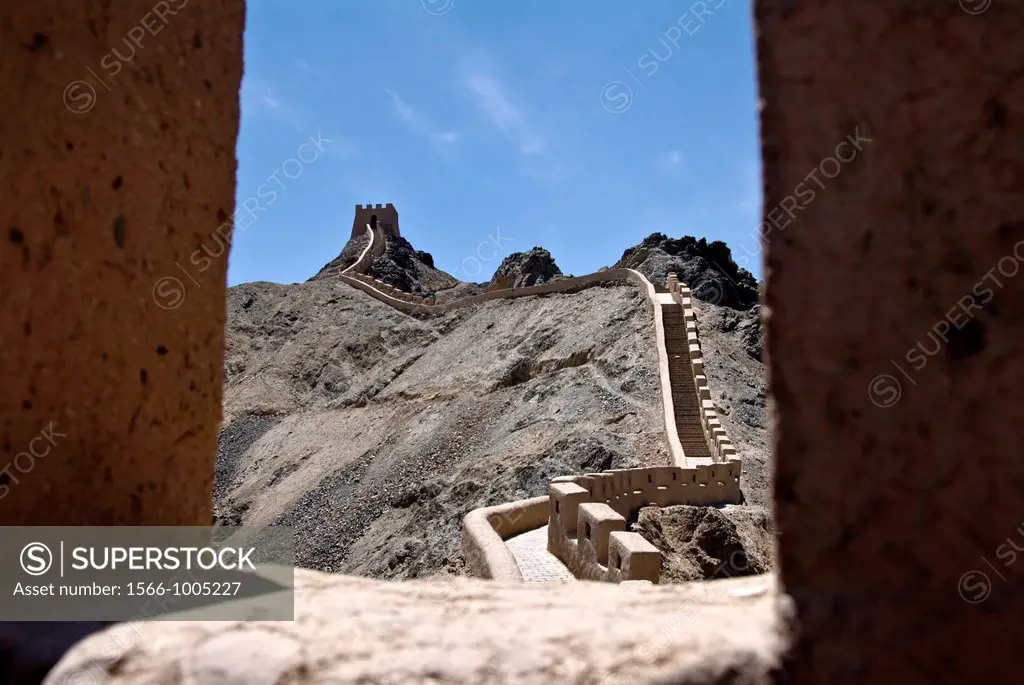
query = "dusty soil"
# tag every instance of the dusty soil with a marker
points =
(373, 432)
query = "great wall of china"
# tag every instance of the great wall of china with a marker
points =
(585, 516)
(887, 514)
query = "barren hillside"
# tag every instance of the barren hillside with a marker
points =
(374, 432)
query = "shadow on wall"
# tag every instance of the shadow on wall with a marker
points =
(588, 515)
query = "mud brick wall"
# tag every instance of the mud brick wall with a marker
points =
(117, 153)
(893, 148)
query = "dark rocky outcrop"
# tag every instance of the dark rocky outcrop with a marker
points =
(425, 258)
(705, 543)
(409, 269)
(348, 256)
(396, 266)
(522, 269)
(708, 268)
(401, 265)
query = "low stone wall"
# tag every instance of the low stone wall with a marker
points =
(485, 530)
(374, 248)
(560, 286)
(588, 514)
(675, 447)
(718, 442)
(385, 292)
(350, 630)
(410, 304)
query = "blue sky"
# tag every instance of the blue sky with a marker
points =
(578, 125)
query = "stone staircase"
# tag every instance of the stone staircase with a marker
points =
(685, 400)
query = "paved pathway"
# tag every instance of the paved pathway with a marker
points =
(535, 561)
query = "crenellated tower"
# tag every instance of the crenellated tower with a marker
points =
(385, 216)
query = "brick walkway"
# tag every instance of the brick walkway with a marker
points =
(535, 561)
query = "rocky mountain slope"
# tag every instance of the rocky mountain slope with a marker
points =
(523, 269)
(708, 268)
(373, 432)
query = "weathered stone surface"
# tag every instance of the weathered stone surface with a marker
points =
(522, 269)
(111, 357)
(356, 630)
(898, 473)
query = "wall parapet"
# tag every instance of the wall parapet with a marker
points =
(485, 530)
(374, 249)
(602, 549)
(675, 447)
(415, 304)
(721, 447)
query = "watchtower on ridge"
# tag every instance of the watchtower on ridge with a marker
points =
(385, 216)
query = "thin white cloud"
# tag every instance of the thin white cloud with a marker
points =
(672, 165)
(264, 103)
(491, 98)
(403, 110)
(418, 124)
(493, 101)
(259, 98)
